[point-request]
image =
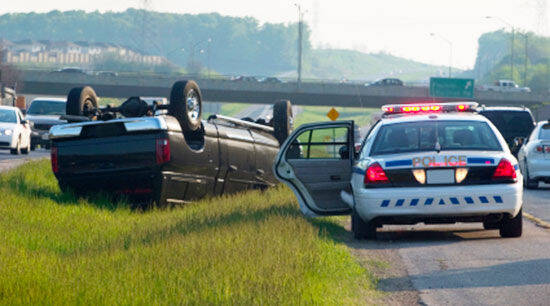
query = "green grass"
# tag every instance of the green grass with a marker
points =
(232, 109)
(361, 116)
(250, 248)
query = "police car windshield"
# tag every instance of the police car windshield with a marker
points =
(424, 136)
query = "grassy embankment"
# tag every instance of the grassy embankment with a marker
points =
(361, 116)
(252, 248)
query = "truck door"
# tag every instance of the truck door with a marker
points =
(316, 163)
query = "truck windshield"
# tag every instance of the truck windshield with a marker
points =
(426, 136)
(8, 115)
(42, 107)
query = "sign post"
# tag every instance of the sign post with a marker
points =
(452, 88)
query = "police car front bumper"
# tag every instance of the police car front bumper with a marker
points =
(439, 202)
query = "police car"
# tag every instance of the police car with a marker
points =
(431, 163)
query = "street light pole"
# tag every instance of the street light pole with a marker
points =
(450, 50)
(300, 41)
(512, 43)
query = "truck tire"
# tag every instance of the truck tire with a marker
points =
(510, 228)
(81, 101)
(186, 105)
(282, 120)
(362, 229)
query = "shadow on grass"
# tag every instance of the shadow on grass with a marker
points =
(24, 188)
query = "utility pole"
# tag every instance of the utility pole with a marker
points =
(512, 55)
(526, 36)
(300, 42)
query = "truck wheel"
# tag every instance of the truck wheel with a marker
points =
(282, 120)
(186, 105)
(81, 101)
(362, 229)
(510, 228)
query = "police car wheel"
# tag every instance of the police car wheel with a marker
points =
(513, 227)
(362, 229)
(490, 225)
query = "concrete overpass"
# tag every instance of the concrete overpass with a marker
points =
(220, 90)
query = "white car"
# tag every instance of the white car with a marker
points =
(15, 131)
(534, 156)
(431, 163)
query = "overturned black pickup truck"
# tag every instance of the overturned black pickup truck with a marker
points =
(163, 158)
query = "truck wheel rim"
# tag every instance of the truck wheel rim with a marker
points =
(193, 106)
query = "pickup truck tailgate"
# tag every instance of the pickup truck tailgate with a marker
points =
(118, 153)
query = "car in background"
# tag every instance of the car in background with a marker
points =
(534, 156)
(242, 78)
(514, 123)
(271, 80)
(107, 73)
(43, 113)
(15, 131)
(505, 86)
(73, 70)
(387, 82)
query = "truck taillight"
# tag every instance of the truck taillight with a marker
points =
(163, 151)
(505, 171)
(53, 158)
(375, 175)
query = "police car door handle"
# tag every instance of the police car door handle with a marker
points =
(335, 178)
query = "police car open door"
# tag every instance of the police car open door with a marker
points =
(316, 163)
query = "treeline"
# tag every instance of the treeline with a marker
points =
(225, 44)
(530, 61)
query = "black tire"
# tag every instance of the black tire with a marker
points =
(186, 105)
(17, 149)
(529, 183)
(27, 149)
(362, 229)
(82, 101)
(490, 225)
(512, 227)
(282, 120)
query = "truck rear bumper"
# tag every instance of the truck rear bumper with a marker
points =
(143, 181)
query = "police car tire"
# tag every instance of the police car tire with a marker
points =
(362, 229)
(179, 108)
(282, 120)
(510, 228)
(81, 101)
(491, 225)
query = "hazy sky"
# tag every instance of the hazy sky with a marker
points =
(400, 27)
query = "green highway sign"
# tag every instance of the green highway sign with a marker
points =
(452, 88)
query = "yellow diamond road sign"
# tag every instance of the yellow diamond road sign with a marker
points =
(333, 114)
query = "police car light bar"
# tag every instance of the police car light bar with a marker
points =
(429, 108)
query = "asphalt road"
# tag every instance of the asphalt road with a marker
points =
(465, 265)
(8, 161)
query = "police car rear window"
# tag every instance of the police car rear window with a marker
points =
(545, 132)
(427, 136)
